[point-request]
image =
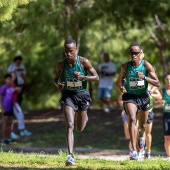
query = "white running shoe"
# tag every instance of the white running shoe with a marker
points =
(25, 133)
(70, 161)
(14, 136)
(106, 110)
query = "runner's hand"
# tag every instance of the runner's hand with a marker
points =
(122, 89)
(78, 75)
(140, 74)
(60, 85)
(163, 102)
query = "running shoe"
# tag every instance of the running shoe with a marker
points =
(106, 110)
(4, 142)
(25, 133)
(141, 156)
(14, 136)
(167, 159)
(141, 142)
(134, 155)
(143, 153)
(148, 155)
(70, 160)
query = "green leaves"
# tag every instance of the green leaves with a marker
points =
(37, 30)
(7, 8)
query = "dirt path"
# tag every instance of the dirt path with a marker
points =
(83, 153)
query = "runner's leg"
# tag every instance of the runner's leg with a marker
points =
(142, 117)
(69, 114)
(167, 145)
(81, 120)
(131, 111)
(148, 136)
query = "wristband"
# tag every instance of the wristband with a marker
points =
(84, 78)
(144, 78)
(56, 81)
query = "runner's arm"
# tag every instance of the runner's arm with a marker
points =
(152, 79)
(121, 76)
(88, 66)
(59, 69)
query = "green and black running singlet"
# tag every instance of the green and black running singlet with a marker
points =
(71, 83)
(134, 84)
(166, 97)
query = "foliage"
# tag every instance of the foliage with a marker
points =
(7, 7)
(38, 30)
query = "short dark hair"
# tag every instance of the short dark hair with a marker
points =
(19, 57)
(167, 74)
(69, 41)
(8, 75)
(135, 44)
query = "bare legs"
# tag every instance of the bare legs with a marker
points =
(142, 117)
(6, 127)
(167, 145)
(131, 110)
(80, 125)
(106, 101)
(148, 137)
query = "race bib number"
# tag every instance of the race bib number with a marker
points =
(136, 83)
(74, 84)
(167, 107)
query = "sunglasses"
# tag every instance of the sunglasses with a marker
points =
(133, 53)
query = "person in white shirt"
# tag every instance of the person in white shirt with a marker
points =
(20, 72)
(106, 70)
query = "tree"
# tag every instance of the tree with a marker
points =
(37, 31)
(7, 8)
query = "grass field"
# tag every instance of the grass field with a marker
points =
(20, 161)
(103, 131)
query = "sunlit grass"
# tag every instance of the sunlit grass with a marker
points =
(40, 161)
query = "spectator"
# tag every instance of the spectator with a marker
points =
(20, 71)
(6, 100)
(106, 71)
(18, 113)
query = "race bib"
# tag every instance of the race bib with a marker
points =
(74, 84)
(167, 107)
(136, 83)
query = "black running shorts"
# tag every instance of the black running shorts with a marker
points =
(166, 124)
(78, 101)
(141, 101)
(150, 117)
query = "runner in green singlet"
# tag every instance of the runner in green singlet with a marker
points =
(166, 114)
(153, 94)
(71, 77)
(138, 73)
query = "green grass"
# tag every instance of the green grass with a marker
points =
(20, 161)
